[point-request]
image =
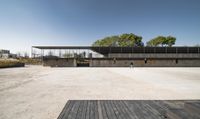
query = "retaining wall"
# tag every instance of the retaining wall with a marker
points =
(153, 55)
(147, 63)
(60, 62)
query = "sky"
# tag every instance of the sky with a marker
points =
(25, 23)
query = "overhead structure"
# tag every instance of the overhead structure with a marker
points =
(117, 56)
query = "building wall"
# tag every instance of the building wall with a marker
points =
(4, 53)
(149, 63)
(60, 62)
(4, 56)
(99, 62)
(152, 60)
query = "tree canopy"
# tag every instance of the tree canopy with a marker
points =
(162, 40)
(123, 40)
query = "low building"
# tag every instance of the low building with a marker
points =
(4, 53)
(119, 56)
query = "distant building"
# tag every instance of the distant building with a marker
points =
(6, 54)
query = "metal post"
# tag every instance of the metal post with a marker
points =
(42, 58)
(132, 49)
(60, 53)
(31, 51)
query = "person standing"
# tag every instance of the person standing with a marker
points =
(131, 65)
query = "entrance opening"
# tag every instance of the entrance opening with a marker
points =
(83, 65)
(176, 61)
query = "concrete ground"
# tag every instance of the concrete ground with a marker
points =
(36, 92)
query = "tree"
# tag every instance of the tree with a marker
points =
(170, 40)
(107, 41)
(122, 40)
(130, 40)
(197, 45)
(162, 40)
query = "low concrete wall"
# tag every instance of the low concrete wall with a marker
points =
(110, 62)
(59, 62)
(147, 63)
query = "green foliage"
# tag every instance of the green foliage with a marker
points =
(10, 63)
(197, 45)
(122, 40)
(170, 41)
(163, 41)
(30, 61)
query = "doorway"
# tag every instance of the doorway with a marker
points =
(83, 63)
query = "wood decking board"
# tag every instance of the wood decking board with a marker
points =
(130, 109)
(193, 108)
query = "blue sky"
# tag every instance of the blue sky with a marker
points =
(24, 23)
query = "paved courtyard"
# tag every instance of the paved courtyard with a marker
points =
(36, 92)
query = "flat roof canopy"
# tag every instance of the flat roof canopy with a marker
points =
(62, 47)
(107, 50)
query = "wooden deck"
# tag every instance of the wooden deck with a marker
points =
(130, 109)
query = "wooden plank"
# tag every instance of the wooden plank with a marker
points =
(156, 108)
(123, 109)
(83, 115)
(65, 109)
(104, 112)
(100, 111)
(144, 111)
(92, 109)
(110, 112)
(130, 109)
(133, 107)
(116, 109)
(80, 110)
(178, 114)
(153, 113)
(131, 114)
(74, 110)
(87, 116)
(96, 116)
(193, 108)
(68, 109)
